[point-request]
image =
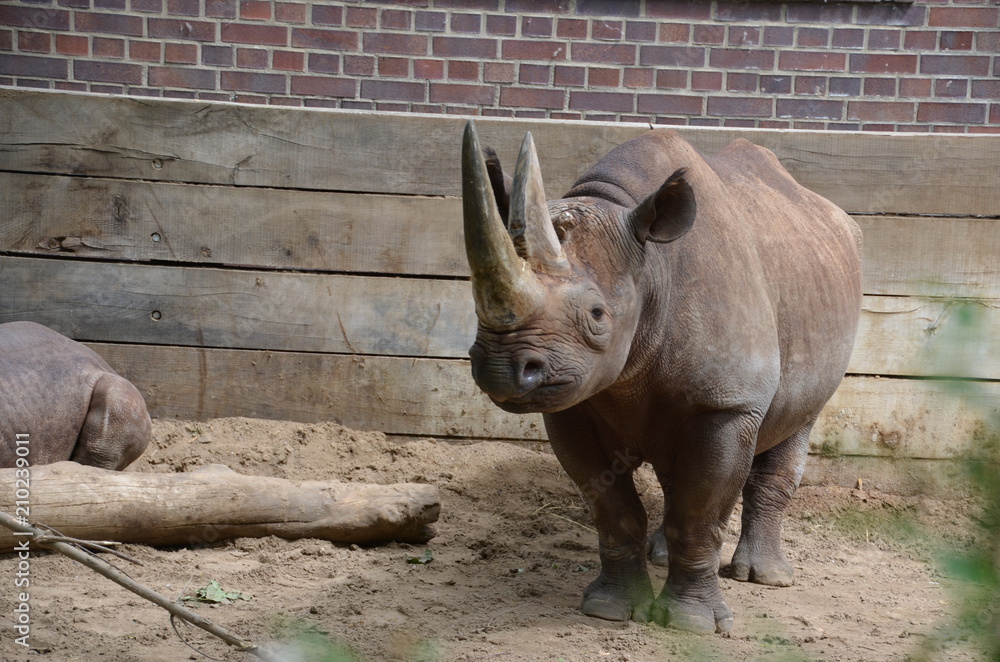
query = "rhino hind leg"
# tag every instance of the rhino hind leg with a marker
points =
(656, 545)
(773, 480)
(117, 427)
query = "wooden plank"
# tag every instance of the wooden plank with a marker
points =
(911, 336)
(272, 228)
(214, 307)
(436, 397)
(240, 308)
(217, 143)
(931, 256)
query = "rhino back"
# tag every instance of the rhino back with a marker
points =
(46, 383)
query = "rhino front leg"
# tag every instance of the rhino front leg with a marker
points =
(773, 480)
(711, 464)
(623, 589)
(117, 428)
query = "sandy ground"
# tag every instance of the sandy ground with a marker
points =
(512, 555)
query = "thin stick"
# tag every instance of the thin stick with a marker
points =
(100, 566)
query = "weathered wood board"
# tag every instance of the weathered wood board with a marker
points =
(244, 145)
(436, 397)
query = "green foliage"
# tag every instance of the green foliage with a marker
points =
(213, 594)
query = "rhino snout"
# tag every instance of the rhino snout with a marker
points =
(507, 376)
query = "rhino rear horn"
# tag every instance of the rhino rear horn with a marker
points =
(505, 289)
(529, 214)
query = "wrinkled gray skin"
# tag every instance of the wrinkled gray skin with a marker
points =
(688, 311)
(68, 400)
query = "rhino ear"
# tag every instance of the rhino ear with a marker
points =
(667, 213)
(500, 182)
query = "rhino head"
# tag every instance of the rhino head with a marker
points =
(559, 286)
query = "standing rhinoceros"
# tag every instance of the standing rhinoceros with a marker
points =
(67, 400)
(688, 311)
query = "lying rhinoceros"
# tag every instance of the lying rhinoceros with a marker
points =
(688, 311)
(65, 402)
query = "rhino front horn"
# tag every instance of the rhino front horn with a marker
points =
(505, 289)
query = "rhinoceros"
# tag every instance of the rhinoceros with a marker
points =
(692, 312)
(65, 402)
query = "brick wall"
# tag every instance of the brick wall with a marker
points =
(928, 66)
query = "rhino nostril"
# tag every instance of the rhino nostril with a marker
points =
(532, 373)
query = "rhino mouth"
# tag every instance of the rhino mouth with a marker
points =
(546, 398)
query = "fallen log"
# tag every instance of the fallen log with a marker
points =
(210, 504)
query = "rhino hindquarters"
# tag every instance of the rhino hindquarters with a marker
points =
(117, 428)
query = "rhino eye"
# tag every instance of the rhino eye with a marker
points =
(597, 312)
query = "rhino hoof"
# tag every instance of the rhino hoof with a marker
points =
(777, 574)
(606, 609)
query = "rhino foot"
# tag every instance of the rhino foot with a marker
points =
(656, 548)
(767, 570)
(693, 615)
(614, 601)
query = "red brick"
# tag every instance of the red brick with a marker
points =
(988, 41)
(604, 53)
(739, 107)
(669, 104)
(34, 18)
(884, 40)
(255, 10)
(813, 37)
(986, 89)
(385, 90)
(288, 60)
(748, 11)
(537, 74)
(290, 12)
(107, 72)
(518, 49)
(920, 40)
(741, 82)
(393, 67)
(778, 36)
(324, 63)
(361, 17)
(955, 65)
(880, 87)
(71, 87)
(622, 8)
(499, 72)
(532, 26)
(396, 19)
(499, 25)
(34, 42)
(675, 79)
(73, 45)
(951, 113)
(180, 53)
(220, 8)
(152, 6)
(847, 38)
(119, 24)
(148, 51)
(692, 10)
(891, 13)
(479, 95)
(324, 86)
(951, 87)
(218, 56)
(570, 76)
(327, 40)
(606, 30)
(171, 28)
(465, 47)
(964, 17)
(424, 69)
(105, 47)
(602, 77)
(819, 13)
(565, 116)
(706, 80)
(184, 7)
(6, 41)
(612, 102)
(883, 64)
(915, 87)
(741, 35)
(672, 56)
(675, 32)
(246, 81)
(327, 15)
(359, 65)
(708, 34)
(485, 5)
(776, 84)
(182, 77)
(252, 33)
(531, 97)
(810, 109)
(636, 31)
(468, 23)
(811, 61)
(956, 41)
(32, 66)
(463, 70)
(252, 58)
(732, 58)
(995, 113)
(638, 77)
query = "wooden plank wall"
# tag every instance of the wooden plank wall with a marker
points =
(308, 264)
